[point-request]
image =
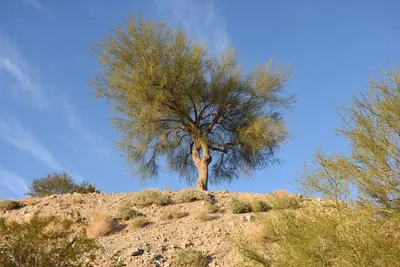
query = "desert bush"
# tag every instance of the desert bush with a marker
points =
(101, 225)
(9, 205)
(287, 202)
(126, 212)
(190, 195)
(138, 222)
(240, 206)
(56, 184)
(191, 258)
(360, 225)
(213, 208)
(173, 212)
(36, 243)
(149, 197)
(260, 206)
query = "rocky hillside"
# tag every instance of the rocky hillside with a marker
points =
(190, 219)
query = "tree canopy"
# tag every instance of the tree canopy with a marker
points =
(174, 100)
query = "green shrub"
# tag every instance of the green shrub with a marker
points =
(213, 208)
(44, 241)
(126, 212)
(56, 184)
(190, 195)
(149, 197)
(261, 206)
(287, 202)
(9, 205)
(240, 206)
(191, 258)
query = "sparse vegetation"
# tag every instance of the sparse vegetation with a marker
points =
(56, 184)
(38, 243)
(360, 224)
(240, 206)
(173, 212)
(190, 195)
(149, 197)
(260, 206)
(213, 208)
(138, 222)
(126, 212)
(191, 258)
(9, 205)
(101, 225)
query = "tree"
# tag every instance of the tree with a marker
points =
(58, 183)
(176, 100)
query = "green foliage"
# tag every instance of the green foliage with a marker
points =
(191, 258)
(240, 206)
(190, 195)
(149, 197)
(359, 225)
(9, 205)
(261, 206)
(287, 202)
(44, 241)
(177, 100)
(213, 208)
(126, 212)
(58, 183)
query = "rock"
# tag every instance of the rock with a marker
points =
(135, 252)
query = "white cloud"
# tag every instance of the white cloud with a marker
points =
(35, 4)
(15, 66)
(200, 19)
(12, 132)
(11, 183)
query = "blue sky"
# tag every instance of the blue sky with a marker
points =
(49, 120)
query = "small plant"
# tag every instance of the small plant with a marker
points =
(38, 242)
(287, 202)
(240, 206)
(149, 197)
(213, 208)
(56, 184)
(173, 212)
(101, 225)
(191, 258)
(126, 212)
(138, 222)
(9, 205)
(261, 206)
(190, 195)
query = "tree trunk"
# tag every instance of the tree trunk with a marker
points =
(201, 164)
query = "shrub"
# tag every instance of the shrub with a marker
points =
(191, 258)
(58, 183)
(9, 205)
(261, 206)
(101, 225)
(213, 208)
(287, 202)
(36, 243)
(138, 222)
(240, 206)
(127, 213)
(190, 195)
(173, 212)
(149, 197)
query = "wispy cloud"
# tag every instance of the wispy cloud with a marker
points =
(34, 92)
(35, 4)
(12, 132)
(201, 19)
(12, 184)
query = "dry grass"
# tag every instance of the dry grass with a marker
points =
(149, 197)
(281, 193)
(126, 212)
(203, 215)
(9, 205)
(190, 195)
(173, 212)
(31, 201)
(138, 222)
(257, 205)
(191, 258)
(101, 225)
